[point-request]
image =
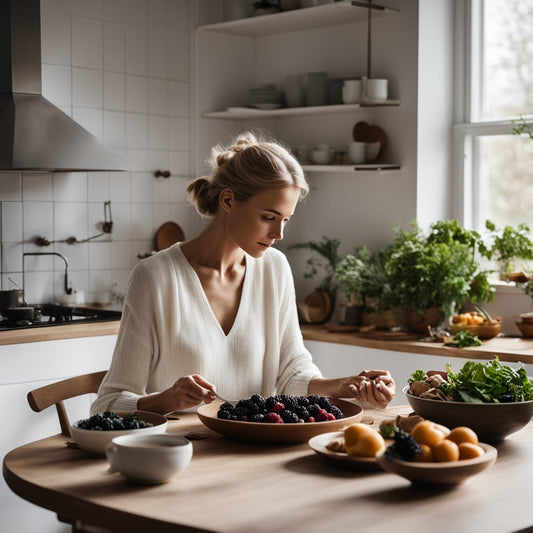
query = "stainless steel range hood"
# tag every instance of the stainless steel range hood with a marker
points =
(35, 134)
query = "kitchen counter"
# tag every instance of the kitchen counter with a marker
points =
(67, 331)
(509, 349)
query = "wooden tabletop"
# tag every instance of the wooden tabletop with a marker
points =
(239, 487)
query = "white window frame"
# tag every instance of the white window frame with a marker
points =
(468, 128)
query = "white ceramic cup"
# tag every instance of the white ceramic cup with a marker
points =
(356, 152)
(149, 459)
(352, 91)
(372, 151)
(377, 89)
(322, 156)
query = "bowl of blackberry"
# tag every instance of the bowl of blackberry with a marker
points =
(94, 433)
(279, 419)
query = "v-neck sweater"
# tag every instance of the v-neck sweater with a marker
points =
(169, 330)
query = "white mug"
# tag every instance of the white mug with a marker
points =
(356, 152)
(377, 89)
(352, 91)
(372, 151)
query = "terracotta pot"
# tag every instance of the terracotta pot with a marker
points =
(317, 308)
(419, 322)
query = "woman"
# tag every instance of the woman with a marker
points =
(218, 312)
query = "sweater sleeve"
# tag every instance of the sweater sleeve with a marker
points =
(126, 379)
(296, 364)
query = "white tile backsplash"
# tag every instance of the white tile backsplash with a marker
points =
(120, 68)
(114, 47)
(10, 186)
(38, 220)
(98, 186)
(137, 94)
(56, 81)
(70, 186)
(12, 222)
(87, 87)
(87, 42)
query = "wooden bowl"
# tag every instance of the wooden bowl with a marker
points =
(483, 331)
(491, 421)
(448, 473)
(526, 328)
(264, 432)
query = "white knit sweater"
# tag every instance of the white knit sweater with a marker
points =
(169, 330)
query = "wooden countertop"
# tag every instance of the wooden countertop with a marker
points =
(72, 330)
(510, 349)
(237, 487)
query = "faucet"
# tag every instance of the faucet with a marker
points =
(68, 290)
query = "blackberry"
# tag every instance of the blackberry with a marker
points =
(313, 398)
(227, 407)
(405, 446)
(323, 401)
(290, 402)
(302, 413)
(313, 409)
(258, 417)
(270, 402)
(303, 401)
(289, 417)
(259, 401)
(246, 407)
(224, 415)
(336, 412)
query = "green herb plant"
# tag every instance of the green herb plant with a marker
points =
(464, 339)
(417, 375)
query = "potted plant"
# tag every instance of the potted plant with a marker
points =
(363, 277)
(318, 306)
(509, 245)
(436, 273)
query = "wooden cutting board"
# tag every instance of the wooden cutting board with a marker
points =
(167, 235)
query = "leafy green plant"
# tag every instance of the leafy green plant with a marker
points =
(438, 270)
(508, 244)
(363, 277)
(328, 249)
(521, 126)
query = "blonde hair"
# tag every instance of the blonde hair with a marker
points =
(246, 167)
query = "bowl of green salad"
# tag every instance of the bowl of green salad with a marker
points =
(493, 399)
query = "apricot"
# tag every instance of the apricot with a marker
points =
(446, 451)
(427, 432)
(354, 432)
(463, 434)
(426, 454)
(467, 450)
(367, 446)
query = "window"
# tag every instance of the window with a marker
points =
(495, 174)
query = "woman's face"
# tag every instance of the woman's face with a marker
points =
(254, 225)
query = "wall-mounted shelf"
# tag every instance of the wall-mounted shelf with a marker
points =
(340, 12)
(243, 113)
(350, 168)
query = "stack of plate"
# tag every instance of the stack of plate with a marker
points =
(265, 97)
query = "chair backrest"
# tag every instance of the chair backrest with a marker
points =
(55, 393)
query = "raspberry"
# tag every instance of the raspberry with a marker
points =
(273, 418)
(330, 416)
(278, 407)
(311, 419)
(322, 415)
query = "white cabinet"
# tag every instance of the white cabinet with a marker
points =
(26, 367)
(234, 56)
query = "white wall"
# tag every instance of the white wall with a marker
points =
(121, 68)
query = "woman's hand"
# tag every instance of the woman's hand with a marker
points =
(373, 386)
(186, 392)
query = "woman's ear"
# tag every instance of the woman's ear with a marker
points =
(226, 199)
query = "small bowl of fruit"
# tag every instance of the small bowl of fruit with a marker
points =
(95, 433)
(477, 323)
(432, 454)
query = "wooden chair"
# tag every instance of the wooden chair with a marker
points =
(55, 393)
